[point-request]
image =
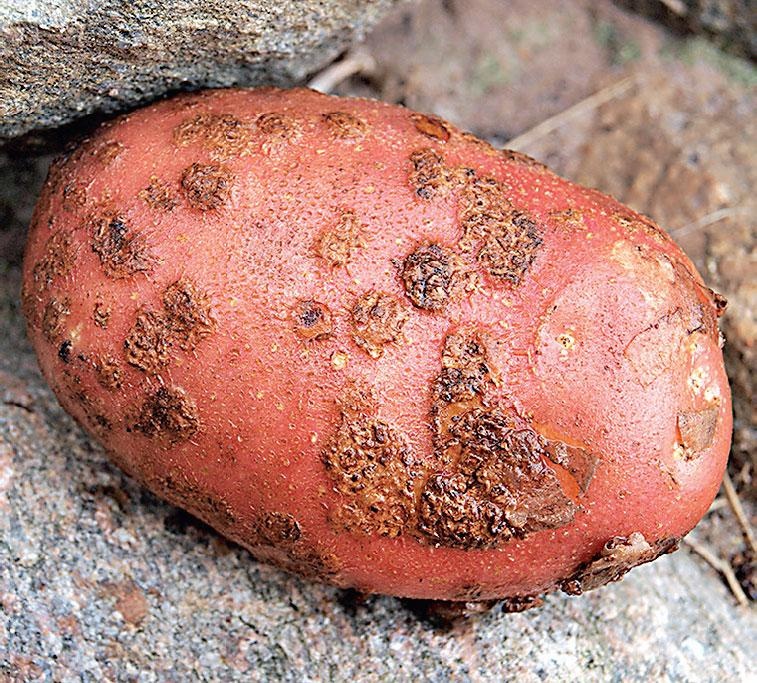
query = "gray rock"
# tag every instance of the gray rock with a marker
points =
(60, 60)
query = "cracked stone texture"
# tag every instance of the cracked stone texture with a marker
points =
(61, 60)
(101, 581)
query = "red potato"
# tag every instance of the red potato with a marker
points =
(375, 350)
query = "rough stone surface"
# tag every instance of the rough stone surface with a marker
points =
(733, 23)
(101, 581)
(62, 60)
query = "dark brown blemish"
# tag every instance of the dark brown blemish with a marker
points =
(184, 321)
(465, 375)
(101, 315)
(206, 186)
(619, 555)
(159, 195)
(430, 175)
(521, 603)
(312, 320)
(378, 320)
(280, 536)
(168, 412)
(276, 125)
(189, 494)
(344, 125)
(64, 350)
(493, 478)
(57, 261)
(431, 276)
(501, 487)
(121, 252)
(108, 372)
(510, 248)
(108, 151)
(54, 318)
(277, 528)
(431, 126)
(372, 466)
(523, 159)
(223, 134)
(338, 244)
(510, 237)
(697, 429)
(74, 196)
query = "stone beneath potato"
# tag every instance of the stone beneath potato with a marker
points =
(375, 350)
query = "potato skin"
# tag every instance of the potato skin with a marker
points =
(375, 350)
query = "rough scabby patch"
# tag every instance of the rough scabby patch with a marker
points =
(618, 556)
(168, 412)
(378, 320)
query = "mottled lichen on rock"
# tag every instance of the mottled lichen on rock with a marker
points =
(122, 253)
(619, 555)
(206, 186)
(373, 468)
(185, 320)
(378, 319)
(168, 412)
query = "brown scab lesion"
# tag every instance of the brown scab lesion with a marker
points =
(159, 195)
(54, 318)
(278, 127)
(108, 372)
(57, 261)
(431, 276)
(431, 126)
(107, 152)
(430, 176)
(618, 556)
(223, 134)
(185, 320)
(373, 468)
(501, 487)
(344, 125)
(312, 320)
(168, 413)
(207, 187)
(494, 477)
(74, 196)
(121, 251)
(338, 243)
(189, 494)
(378, 319)
(101, 315)
(523, 159)
(510, 239)
(697, 429)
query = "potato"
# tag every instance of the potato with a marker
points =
(375, 350)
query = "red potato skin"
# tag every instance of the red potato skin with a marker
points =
(606, 340)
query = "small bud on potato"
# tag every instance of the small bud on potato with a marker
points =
(375, 350)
